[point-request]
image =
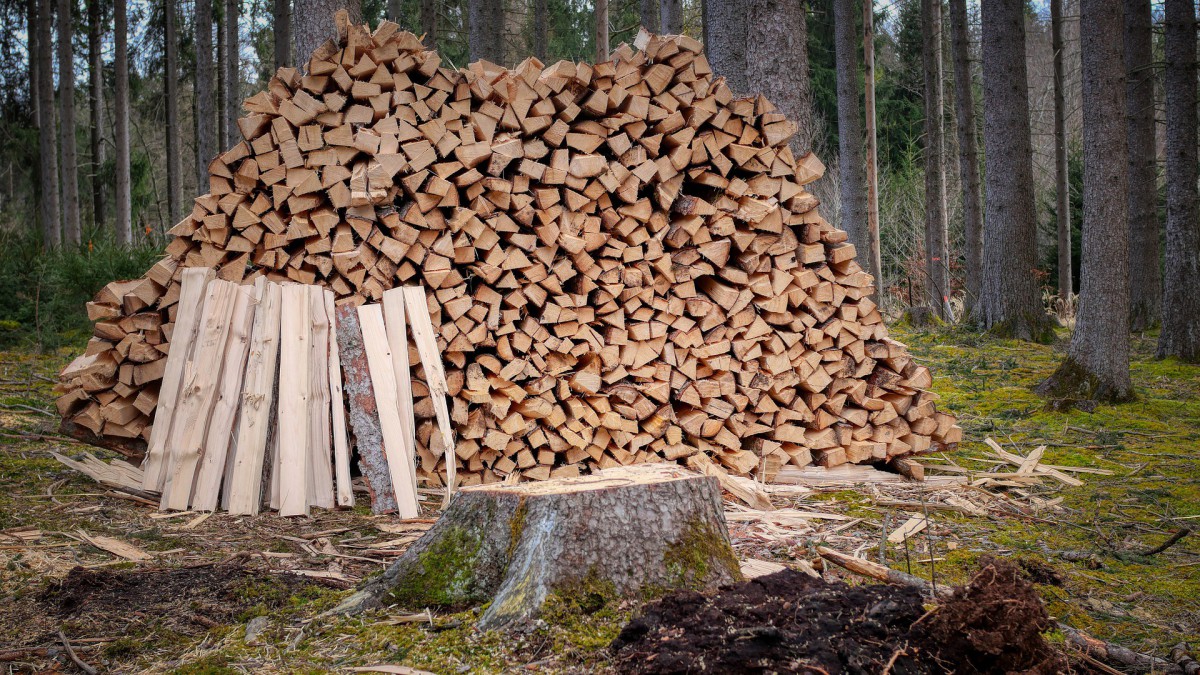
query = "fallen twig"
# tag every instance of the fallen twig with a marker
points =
(75, 657)
(1168, 543)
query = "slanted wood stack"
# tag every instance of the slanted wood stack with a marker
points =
(621, 261)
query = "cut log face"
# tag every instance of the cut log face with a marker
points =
(624, 532)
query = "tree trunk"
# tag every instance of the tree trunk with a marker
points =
(775, 38)
(648, 14)
(937, 269)
(622, 532)
(1062, 183)
(1097, 364)
(968, 154)
(31, 33)
(1009, 303)
(96, 102)
(312, 24)
(47, 143)
(485, 20)
(124, 207)
(540, 38)
(850, 161)
(601, 31)
(233, 74)
(66, 100)
(393, 11)
(206, 132)
(1145, 282)
(282, 14)
(171, 75)
(874, 261)
(429, 21)
(671, 21)
(219, 65)
(1180, 335)
(725, 42)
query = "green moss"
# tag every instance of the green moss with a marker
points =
(516, 527)
(444, 573)
(215, 664)
(1071, 384)
(1034, 327)
(700, 551)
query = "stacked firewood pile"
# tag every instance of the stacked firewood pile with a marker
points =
(621, 261)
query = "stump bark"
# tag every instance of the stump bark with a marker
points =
(627, 532)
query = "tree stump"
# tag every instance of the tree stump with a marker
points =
(629, 532)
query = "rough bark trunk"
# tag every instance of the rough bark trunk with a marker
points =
(393, 10)
(648, 14)
(96, 103)
(233, 73)
(1009, 303)
(312, 24)
(47, 143)
(540, 39)
(171, 75)
(1180, 335)
(850, 160)
(601, 31)
(968, 154)
(31, 33)
(485, 20)
(206, 132)
(622, 532)
(874, 260)
(124, 207)
(775, 38)
(429, 21)
(1062, 184)
(1097, 364)
(66, 100)
(937, 269)
(725, 41)
(671, 20)
(1145, 282)
(219, 65)
(282, 13)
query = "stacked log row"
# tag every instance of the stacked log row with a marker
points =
(621, 260)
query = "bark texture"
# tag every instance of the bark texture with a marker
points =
(623, 532)
(672, 17)
(1062, 184)
(312, 24)
(937, 264)
(1097, 364)
(968, 154)
(282, 14)
(775, 38)
(873, 254)
(648, 14)
(233, 73)
(540, 38)
(850, 160)
(1180, 335)
(171, 76)
(1009, 303)
(1145, 281)
(429, 21)
(31, 30)
(485, 20)
(725, 41)
(124, 207)
(66, 100)
(601, 31)
(206, 132)
(393, 11)
(47, 144)
(96, 105)
(219, 65)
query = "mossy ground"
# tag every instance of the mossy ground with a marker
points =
(1147, 603)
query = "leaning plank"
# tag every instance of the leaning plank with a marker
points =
(198, 395)
(379, 360)
(294, 341)
(364, 412)
(341, 444)
(224, 414)
(191, 299)
(397, 334)
(435, 375)
(320, 468)
(256, 402)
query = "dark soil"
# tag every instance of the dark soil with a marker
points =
(792, 623)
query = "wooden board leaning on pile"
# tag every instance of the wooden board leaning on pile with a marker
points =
(621, 261)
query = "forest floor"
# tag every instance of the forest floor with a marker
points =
(188, 607)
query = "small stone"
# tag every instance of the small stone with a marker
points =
(254, 630)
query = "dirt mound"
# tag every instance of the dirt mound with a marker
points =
(791, 623)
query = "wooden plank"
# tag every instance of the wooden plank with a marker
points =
(294, 345)
(191, 304)
(320, 467)
(383, 379)
(341, 443)
(224, 415)
(257, 402)
(364, 413)
(397, 334)
(198, 394)
(435, 374)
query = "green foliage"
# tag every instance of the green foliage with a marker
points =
(1049, 228)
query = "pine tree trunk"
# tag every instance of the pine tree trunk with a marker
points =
(937, 270)
(124, 206)
(233, 74)
(66, 100)
(96, 102)
(968, 154)
(1097, 364)
(1180, 335)
(1009, 303)
(671, 17)
(601, 31)
(1145, 282)
(47, 143)
(312, 24)
(725, 41)
(874, 260)
(393, 11)
(429, 21)
(282, 14)
(1062, 183)
(850, 160)
(31, 33)
(206, 132)
(648, 15)
(171, 75)
(219, 65)
(540, 37)
(775, 38)
(485, 20)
